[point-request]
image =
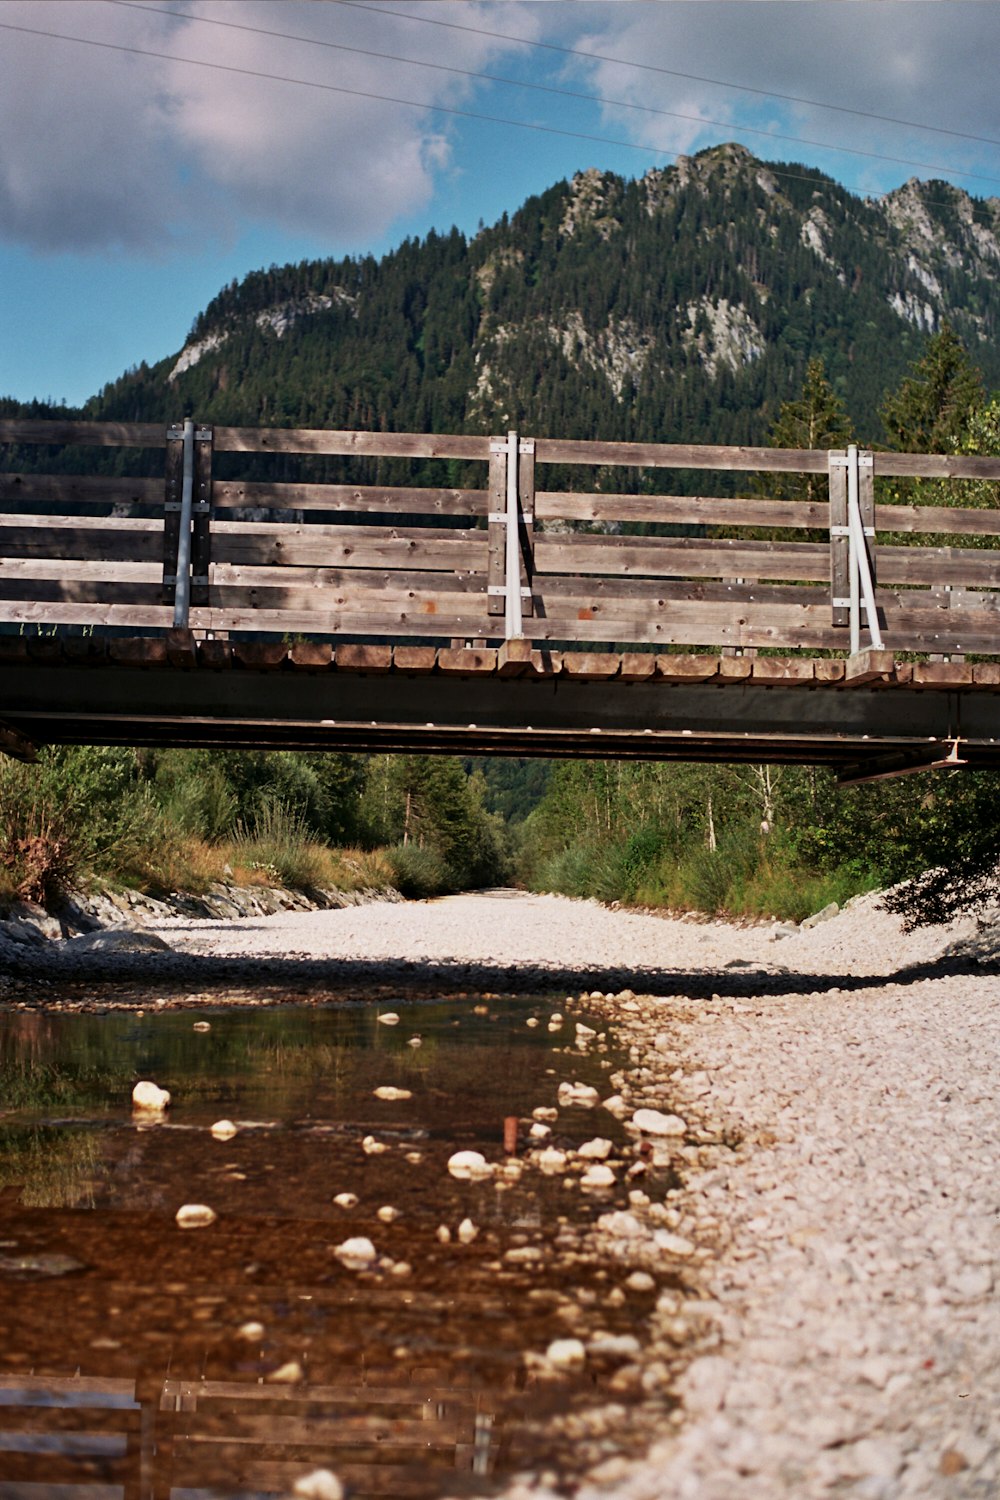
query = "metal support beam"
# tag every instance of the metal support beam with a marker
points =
(513, 626)
(182, 573)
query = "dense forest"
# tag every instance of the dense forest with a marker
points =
(719, 300)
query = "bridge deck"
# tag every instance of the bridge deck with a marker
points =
(267, 586)
(866, 714)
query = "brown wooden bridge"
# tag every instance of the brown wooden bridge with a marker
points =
(195, 607)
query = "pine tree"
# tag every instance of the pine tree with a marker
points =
(815, 419)
(932, 407)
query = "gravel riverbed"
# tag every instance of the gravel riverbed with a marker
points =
(838, 1226)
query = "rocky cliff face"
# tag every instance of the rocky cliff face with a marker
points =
(684, 303)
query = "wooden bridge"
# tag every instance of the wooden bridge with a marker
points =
(236, 589)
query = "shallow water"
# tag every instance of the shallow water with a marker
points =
(125, 1356)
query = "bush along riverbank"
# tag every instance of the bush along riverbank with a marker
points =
(159, 822)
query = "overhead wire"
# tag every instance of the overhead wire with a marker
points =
(629, 62)
(544, 88)
(428, 106)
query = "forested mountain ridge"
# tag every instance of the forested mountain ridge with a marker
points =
(681, 305)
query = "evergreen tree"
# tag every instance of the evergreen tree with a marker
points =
(815, 419)
(933, 405)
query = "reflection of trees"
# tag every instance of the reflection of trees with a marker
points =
(54, 1169)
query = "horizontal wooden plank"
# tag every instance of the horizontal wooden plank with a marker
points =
(937, 520)
(936, 466)
(682, 510)
(271, 544)
(372, 498)
(681, 557)
(465, 661)
(681, 456)
(88, 489)
(89, 434)
(377, 444)
(400, 581)
(420, 660)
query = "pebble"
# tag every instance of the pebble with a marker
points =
(566, 1354)
(388, 1018)
(389, 1091)
(598, 1176)
(653, 1122)
(149, 1098)
(469, 1166)
(371, 1147)
(195, 1216)
(582, 1094)
(467, 1231)
(252, 1332)
(356, 1254)
(551, 1160)
(287, 1374)
(202, 1026)
(346, 1200)
(387, 1213)
(223, 1130)
(321, 1484)
(596, 1150)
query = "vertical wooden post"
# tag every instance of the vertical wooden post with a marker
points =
(526, 521)
(866, 504)
(201, 515)
(839, 543)
(496, 543)
(173, 479)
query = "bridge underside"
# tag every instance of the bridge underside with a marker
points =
(870, 715)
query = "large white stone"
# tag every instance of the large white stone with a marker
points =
(356, 1254)
(195, 1216)
(653, 1122)
(469, 1166)
(149, 1098)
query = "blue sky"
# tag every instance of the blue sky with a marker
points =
(134, 183)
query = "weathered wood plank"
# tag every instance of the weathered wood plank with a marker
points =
(591, 666)
(182, 648)
(514, 658)
(937, 520)
(681, 510)
(496, 531)
(376, 659)
(89, 489)
(466, 661)
(87, 434)
(687, 668)
(261, 542)
(318, 440)
(637, 666)
(201, 536)
(526, 523)
(681, 456)
(942, 674)
(145, 651)
(735, 668)
(781, 670)
(311, 655)
(215, 654)
(840, 548)
(986, 674)
(869, 666)
(372, 499)
(260, 656)
(420, 660)
(681, 557)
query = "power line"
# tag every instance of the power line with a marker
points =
(467, 114)
(704, 120)
(626, 62)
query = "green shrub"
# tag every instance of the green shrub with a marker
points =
(276, 842)
(418, 871)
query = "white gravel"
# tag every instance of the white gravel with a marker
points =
(849, 1316)
(512, 928)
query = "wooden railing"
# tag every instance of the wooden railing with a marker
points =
(427, 563)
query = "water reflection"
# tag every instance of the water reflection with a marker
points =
(142, 1359)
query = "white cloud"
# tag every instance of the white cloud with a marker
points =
(911, 60)
(101, 149)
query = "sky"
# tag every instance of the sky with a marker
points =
(153, 150)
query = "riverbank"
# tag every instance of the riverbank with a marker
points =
(836, 1226)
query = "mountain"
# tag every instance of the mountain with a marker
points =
(681, 305)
